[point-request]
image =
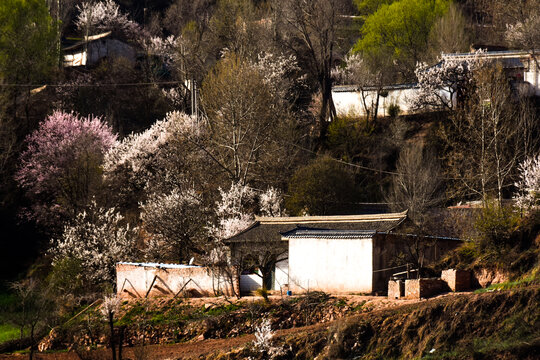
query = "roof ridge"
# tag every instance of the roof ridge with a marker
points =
(331, 218)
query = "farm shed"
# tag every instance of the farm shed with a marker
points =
(262, 241)
(354, 261)
(93, 48)
(139, 280)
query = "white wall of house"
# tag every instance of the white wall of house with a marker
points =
(281, 274)
(533, 77)
(333, 266)
(350, 103)
(250, 283)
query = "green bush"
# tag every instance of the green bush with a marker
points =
(393, 110)
(496, 225)
(322, 187)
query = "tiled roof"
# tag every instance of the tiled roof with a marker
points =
(158, 265)
(270, 228)
(304, 233)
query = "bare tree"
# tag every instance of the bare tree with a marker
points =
(481, 147)
(34, 308)
(243, 118)
(417, 185)
(370, 76)
(309, 28)
(449, 34)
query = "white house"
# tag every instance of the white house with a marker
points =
(96, 47)
(355, 261)
(352, 100)
(263, 241)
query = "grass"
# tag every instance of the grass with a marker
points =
(9, 332)
(529, 279)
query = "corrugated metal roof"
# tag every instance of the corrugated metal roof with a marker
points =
(310, 233)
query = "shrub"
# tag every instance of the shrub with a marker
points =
(495, 226)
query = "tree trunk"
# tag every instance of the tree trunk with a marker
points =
(111, 326)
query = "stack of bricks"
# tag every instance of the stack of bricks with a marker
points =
(423, 288)
(457, 280)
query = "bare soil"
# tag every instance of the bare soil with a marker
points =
(206, 347)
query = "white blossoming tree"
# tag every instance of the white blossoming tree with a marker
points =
(176, 223)
(104, 16)
(526, 35)
(153, 161)
(528, 187)
(263, 340)
(233, 214)
(97, 239)
(232, 211)
(442, 85)
(271, 202)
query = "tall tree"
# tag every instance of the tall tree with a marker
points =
(401, 31)
(481, 140)
(28, 49)
(244, 119)
(310, 28)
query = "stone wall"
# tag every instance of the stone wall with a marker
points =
(138, 280)
(457, 280)
(424, 288)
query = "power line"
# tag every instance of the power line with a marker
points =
(93, 85)
(361, 166)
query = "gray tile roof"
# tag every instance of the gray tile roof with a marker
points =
(270, 229)
(309, 233)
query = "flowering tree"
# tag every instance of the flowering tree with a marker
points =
(176, 223)
(60, 169)
(526, 34)
(441, 86)
(528, 187)
(263, 340)
(153, 161)
(97, 239)
(104, 16)
(109, 309)
(232, 211)
(271, 202)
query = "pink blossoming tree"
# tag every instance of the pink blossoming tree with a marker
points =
(60, 169)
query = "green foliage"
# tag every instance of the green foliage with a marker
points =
(496, 225)
(10, 332)
(393, 110)
(367, 7)
(400, 30)
(28, 42)
(262, 292)
(65, 277)
(322, 187)
(347, 137)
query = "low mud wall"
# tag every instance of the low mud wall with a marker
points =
(135, 280)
